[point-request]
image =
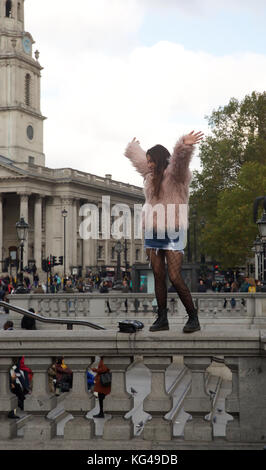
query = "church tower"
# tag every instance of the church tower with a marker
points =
(21, 121)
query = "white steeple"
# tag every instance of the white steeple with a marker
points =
(12, 15)
(21, 121)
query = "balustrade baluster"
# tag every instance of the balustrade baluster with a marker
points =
(232, 400)
(197, 402)
(78, 401)
(39, 402)
(119, 401)
(158, 402)
(131, 305)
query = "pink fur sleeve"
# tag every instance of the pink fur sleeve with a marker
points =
(138, 157)
(179, 162)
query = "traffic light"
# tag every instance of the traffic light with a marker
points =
(49, 265)
(54, 260)
(61, 260)
(45, 265)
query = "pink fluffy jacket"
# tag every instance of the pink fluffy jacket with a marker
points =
(170, 209)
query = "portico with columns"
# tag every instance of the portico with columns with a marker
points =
(40, 201)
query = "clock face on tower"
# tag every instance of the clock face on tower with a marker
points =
(26, 45)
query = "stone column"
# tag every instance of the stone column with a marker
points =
(49, 226)
(198, 401)
(89, 247)
(1, 231)
(74, 234)
(67, 204)
(24, 212)
(38, 232)
(118, 402)
(158, 402)
(252, 399)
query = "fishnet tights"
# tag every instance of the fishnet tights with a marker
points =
(174, 264)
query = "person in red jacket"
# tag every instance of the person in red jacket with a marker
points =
(27, 371)
(98, 387)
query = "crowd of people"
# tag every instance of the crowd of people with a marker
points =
(60, 380)
(72, 283)
(246, 284)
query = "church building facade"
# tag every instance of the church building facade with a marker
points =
(35, 192)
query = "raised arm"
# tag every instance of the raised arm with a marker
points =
(179, 162)
(101, 368)
(137, 156)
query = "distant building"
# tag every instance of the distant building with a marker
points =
(28, 188)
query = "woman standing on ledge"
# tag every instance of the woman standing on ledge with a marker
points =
(166, 183)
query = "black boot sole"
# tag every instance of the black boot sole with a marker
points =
(162, 328)
(191, 331)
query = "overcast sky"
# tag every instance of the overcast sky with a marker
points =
(151, 69)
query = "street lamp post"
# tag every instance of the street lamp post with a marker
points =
(22, 229)
(194, 217)
(64, 215)
(126, 263)
(257, 249)
(260, 243)
(118, 281)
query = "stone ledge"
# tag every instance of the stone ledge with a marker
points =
(112, 343)
(134, 444)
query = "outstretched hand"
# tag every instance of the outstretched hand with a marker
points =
(192, 138)
(135, 141)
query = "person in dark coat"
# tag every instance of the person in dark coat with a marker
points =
(104, 290)
(28, 323)
(98, 387)
(202, 286)
(19, 383)
(3, 296)
(9, 325)
(64, 375)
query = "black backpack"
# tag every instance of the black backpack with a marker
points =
(106, 379)
(130, 326)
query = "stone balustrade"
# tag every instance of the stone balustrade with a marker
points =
(167, 379)
(248, 310)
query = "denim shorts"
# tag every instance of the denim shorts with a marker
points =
(166, 243)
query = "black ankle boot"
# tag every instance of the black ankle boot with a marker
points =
(192, 323)
(161, 323)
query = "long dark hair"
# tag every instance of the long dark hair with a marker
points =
(160, 156)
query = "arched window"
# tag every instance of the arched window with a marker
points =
(8, 8)
(27, 89)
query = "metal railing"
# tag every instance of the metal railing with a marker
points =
(61, 321)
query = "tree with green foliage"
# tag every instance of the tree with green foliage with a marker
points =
(233, 161)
